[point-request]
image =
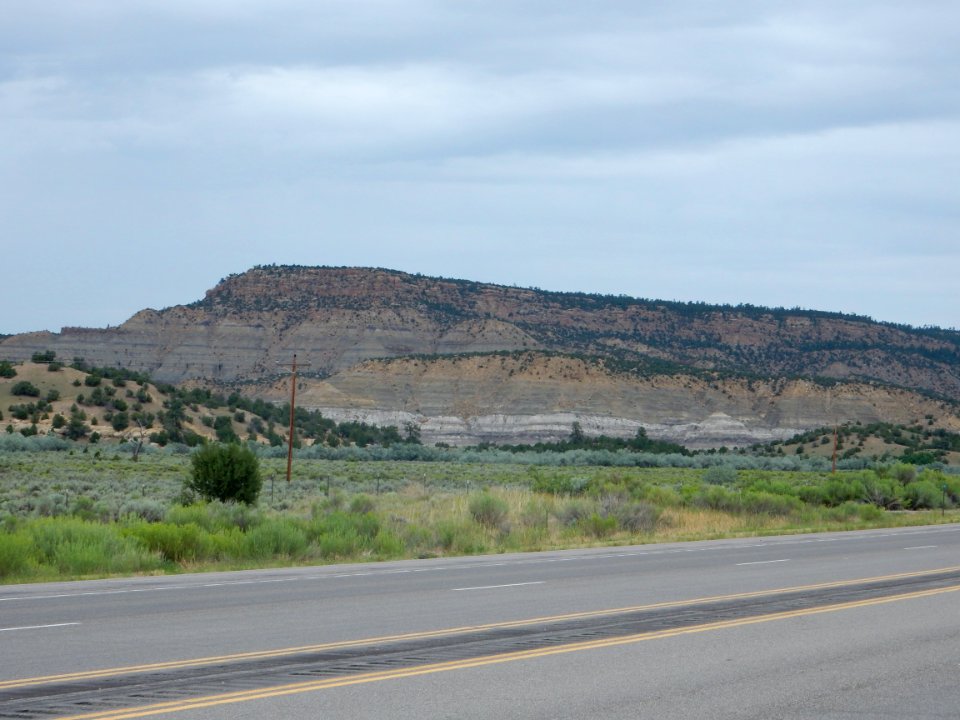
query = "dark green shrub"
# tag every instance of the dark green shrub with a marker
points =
(6, 369)
(223, 426)
(25, 388)
(225, 472)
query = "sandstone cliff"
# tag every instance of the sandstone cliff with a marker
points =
(530, 397)
(655, 363)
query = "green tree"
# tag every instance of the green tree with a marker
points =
(6, 369)
(120, 421)
(223, 426)
(76, 427)
(25, 388)
(225, 472)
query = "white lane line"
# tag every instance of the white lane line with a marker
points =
(764, 562)
(37, 627)
(494, 587)
(920, 547)
(159, 588)
(480, 565)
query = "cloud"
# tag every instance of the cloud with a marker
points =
(751, 148)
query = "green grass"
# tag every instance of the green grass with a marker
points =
(82, 515)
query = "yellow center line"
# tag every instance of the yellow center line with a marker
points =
(446, 632)
(363, 678)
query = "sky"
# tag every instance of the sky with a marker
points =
(772, 153)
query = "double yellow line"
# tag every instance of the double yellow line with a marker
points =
(446, 632)
(427, 669)
(363, 678)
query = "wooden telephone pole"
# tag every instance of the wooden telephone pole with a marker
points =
(834, 449)
(293, 400)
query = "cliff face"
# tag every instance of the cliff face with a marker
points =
(338, 319)
(530, 397)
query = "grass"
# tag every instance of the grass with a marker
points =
(80, 515)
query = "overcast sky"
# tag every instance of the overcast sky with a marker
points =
(773, 153)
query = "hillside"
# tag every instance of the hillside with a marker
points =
(341, 316)
(692, 372)
(95, 405)
(532, 396)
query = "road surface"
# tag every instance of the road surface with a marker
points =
(839, 625)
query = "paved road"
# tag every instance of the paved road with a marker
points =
(721, 645)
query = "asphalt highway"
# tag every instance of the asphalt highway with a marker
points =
(839, 625)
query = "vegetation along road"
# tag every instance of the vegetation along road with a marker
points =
(830, 625)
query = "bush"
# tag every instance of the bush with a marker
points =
(225, 472)
(573, 512)
(923, 495)
(25, 388)
(720, 475)
(488, 510)
(765, 503)
(149, 510)
(559, 485)
(718, 498)
(6, 369)
(637, 517)
(362, 504)
(598, 525)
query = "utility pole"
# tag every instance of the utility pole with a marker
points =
(834, 449)
(293, 400)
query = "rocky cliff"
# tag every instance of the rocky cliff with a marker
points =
(641, 361)
(527, 397)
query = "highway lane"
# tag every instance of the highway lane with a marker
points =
(152, 619)
(891, 661)
(142, 619)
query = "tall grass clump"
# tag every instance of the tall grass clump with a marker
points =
(275, 538)
(488, 510)
(15, 554)
(175, 543)
(72, 547)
